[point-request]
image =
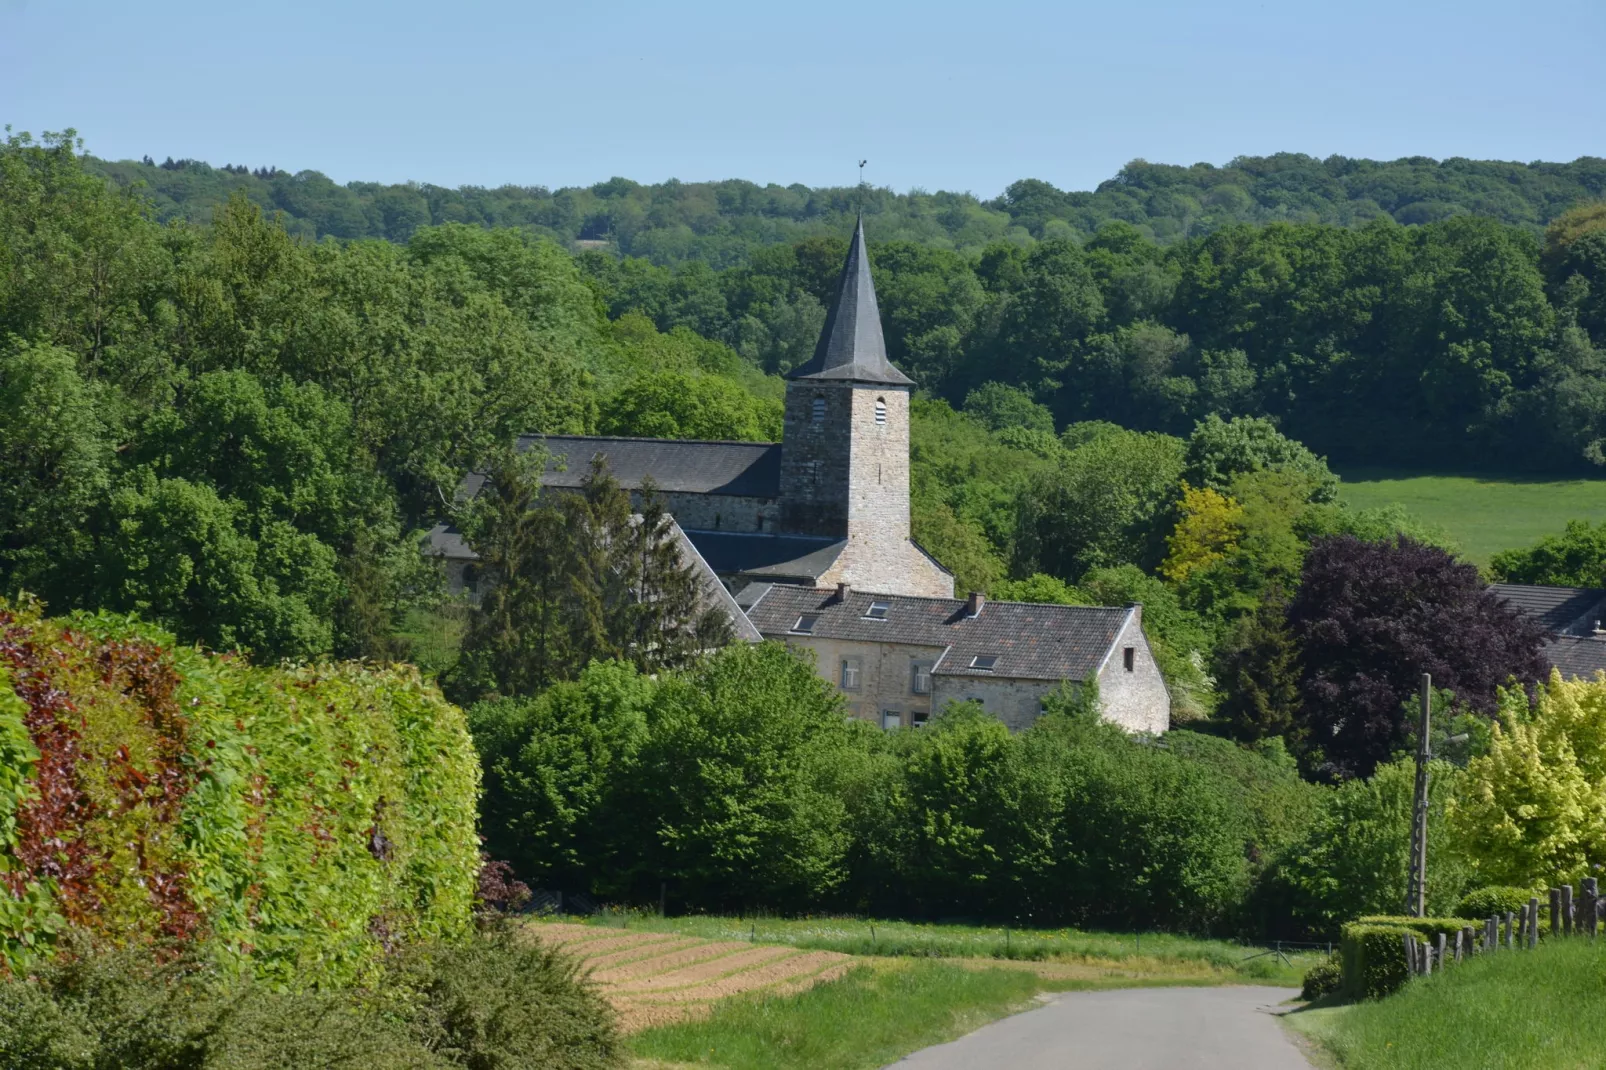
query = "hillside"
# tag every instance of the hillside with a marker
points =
(722, 222)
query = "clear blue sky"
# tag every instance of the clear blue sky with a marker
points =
(937, 95)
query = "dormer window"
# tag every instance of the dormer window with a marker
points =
(805, 624)
(880, 411)
(877, 611)
(984, 662)
(817, 411)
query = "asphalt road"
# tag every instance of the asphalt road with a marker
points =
(1225, 1028)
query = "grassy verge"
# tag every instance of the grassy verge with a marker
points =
(1161, 955)
(1483, 514)
(1524, 1011)
(873, 1016)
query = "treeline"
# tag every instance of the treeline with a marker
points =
(724, 223)
(1459, 342)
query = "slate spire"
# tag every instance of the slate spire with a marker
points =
(851, 346)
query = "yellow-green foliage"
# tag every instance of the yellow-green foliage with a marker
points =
(1532, 812)
(295, 819)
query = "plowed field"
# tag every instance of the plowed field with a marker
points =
(657, 978)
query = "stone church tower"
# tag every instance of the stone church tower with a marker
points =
(845, 449)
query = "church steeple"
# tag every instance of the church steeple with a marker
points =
(851, 347)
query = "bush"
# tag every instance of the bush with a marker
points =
(1373, 951)
(296, 819)
(485, 1002)
(1323, 979)
(1495, 901)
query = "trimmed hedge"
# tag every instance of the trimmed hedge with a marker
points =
(296, 820)
(1494, 901)
(1373, 953)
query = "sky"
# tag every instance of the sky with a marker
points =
(937, 95)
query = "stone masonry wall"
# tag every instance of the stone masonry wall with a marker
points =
(1018, 703)
(885, 676)
(721, 512)
(815, 459)
(1138, 700)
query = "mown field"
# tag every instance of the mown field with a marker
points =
(1484, 514)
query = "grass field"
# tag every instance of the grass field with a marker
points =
(1483, 514)
(1127, 954)
(1536, 1010)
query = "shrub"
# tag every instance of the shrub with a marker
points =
(1494, 901)
(1373, 951)
(1323, 979)
(296, 819)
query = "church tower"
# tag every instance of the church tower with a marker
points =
(845, 447)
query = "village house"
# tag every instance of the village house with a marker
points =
(807, 541)
(1571, 617)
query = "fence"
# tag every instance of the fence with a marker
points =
(1569, 915)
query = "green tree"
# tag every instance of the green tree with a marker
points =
(1575, 558)
(1221, 449)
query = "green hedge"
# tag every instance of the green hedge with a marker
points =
(296, 820)
(1495, 901)
(1373, 953)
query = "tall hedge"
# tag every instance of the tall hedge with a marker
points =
(296, 820)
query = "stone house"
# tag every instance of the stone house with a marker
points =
(817, 525)
(898, 659)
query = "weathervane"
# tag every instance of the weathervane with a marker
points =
(861, 185)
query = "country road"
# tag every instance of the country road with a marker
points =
(1130, 1029)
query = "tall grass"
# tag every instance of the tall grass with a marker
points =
(892, 1011)
(1516, 1011)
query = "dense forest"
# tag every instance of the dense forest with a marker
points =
(723, 223)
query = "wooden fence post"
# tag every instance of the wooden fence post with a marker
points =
(1491, 935)
(1567, 909)
(1522, 925)
(1510, 917)
(1533, 922)
(1555, 912)
(1460, 935)
(1469, 939)
(1440, 954)
(1410, 954)
(1590, 889)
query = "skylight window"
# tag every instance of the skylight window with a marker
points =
(805, 624)
(877, 611)
(984, 662)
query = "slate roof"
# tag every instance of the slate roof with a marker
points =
(1031, 641)
(1558, 610)
(747, 469)
(851, 345)
(1577, 656)
(800, 558)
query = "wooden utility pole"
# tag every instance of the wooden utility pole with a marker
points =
(1416, 896)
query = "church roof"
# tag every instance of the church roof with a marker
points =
(851, 346)
(1029, 641)
(745, 469)
(784, 558)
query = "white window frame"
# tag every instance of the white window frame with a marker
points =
(885, 714)
(990, 659)
(851, 675)
(920, 673)
(878, 610)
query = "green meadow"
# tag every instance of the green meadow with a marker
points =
(1484, 514)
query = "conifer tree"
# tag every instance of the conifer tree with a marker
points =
(1258, 673)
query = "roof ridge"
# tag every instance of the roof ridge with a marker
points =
(634, 438)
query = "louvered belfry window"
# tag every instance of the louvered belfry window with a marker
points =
(880, 411)
(817, 414)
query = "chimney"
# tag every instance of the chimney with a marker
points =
(842, 591)
(974, 603)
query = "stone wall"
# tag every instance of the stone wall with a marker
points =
(815, 458)
(1018, 703)
(1136, 699)
(719, 512)
(885, 676)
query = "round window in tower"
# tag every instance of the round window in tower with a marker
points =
(817, 414)
(880, 410)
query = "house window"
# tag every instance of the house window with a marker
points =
(919, 718)
(984, 662)
(1129, 658)
(891, 719)
(920, 677)
(880, 411)
(817, 411)
(850, 674)
(805, 624)
(471, 579)
(877, 611)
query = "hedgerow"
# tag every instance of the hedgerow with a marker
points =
(295, 820)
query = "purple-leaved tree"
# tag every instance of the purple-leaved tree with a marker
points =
(1369, 618)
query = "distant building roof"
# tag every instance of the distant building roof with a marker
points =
(1577, 655)
(745, 469)
(798, 558)
(1030, 641)
(851, 346)
(1558, 610)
